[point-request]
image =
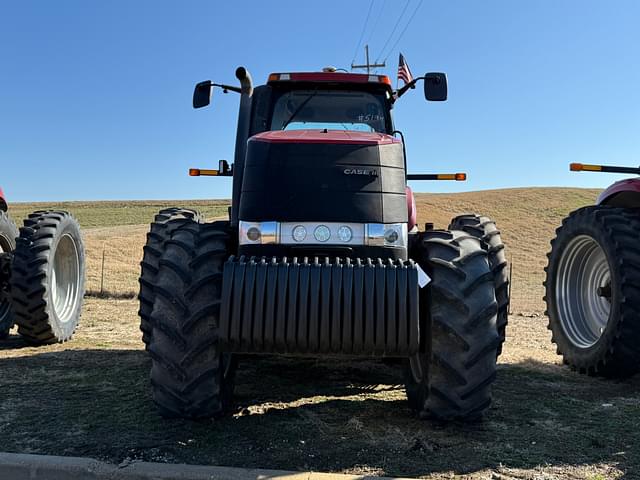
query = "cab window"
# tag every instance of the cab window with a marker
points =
(331, 109)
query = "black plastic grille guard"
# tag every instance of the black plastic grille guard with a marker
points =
(341, 305)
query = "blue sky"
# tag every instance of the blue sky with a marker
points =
(95, 97)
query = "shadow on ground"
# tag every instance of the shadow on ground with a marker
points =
(320, 415)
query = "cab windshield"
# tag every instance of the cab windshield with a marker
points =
(331, 109)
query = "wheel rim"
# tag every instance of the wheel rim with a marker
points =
(583, 291)
(65, 278)
(5, 305)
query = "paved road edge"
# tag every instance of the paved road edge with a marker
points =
(17, 466)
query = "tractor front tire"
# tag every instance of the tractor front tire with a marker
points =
(485, 229)
(48, 277)
(452, 379)
(190, 377)
(164, 223)
(592, 295)
(8, 234)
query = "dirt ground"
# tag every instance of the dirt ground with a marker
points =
(91, 396)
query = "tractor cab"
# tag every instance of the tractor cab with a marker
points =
(319, 170)
(330, 100)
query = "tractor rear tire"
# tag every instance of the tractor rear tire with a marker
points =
(190, 377)
(8, 234)
(452, 379)
(164, 223)
(592, 295)
(485, 229)
(48, 277)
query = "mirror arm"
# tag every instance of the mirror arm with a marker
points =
(408, 86)
(226, 88)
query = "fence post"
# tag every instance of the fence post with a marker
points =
(102, 273)
(510, 311)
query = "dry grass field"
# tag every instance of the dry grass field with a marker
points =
(90, 396)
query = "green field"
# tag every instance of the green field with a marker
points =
(117, 213)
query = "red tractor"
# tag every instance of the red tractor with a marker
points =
(593, 281)
(321, 255)
(41, 275)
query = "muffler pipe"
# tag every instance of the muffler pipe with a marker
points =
(246, 84)
(242, 135)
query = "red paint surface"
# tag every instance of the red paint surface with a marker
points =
(628, 185)
(331, 77)
(324, 136)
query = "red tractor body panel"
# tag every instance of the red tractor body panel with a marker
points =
(332, 77)
(341, 137)
(625, 193)
(3, 202)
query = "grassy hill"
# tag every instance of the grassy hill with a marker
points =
(527, 218)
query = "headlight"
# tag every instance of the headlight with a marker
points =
(328, 233)
(322, 233)
(325, 233)
(391, 236)
(258, 232)
(345, 234)
(387, 234)
(254, 234)
(299, 233)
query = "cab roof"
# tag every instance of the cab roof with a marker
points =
(331, 77)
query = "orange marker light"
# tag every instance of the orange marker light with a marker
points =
(199, 172)
(461, 177)
(579, 167)
(385, 79)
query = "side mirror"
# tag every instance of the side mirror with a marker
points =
(202, 94)
(224, 169)
(435, 86)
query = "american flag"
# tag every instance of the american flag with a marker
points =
(404, 73)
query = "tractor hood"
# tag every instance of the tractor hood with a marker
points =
(324, 175)
(340, 137)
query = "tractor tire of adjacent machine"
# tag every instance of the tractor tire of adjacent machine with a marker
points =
(485, 229)
(48, 277)
(8, 234)
(452, 379)
(165, 222)
(190, 377)
(592, 295)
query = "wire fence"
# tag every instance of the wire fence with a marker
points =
(114, 273)
(527, 287)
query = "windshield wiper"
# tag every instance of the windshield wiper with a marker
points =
(297, 110)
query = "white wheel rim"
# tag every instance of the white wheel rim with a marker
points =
(65, 278)
(583, 297)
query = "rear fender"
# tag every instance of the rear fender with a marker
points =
(625, 193)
